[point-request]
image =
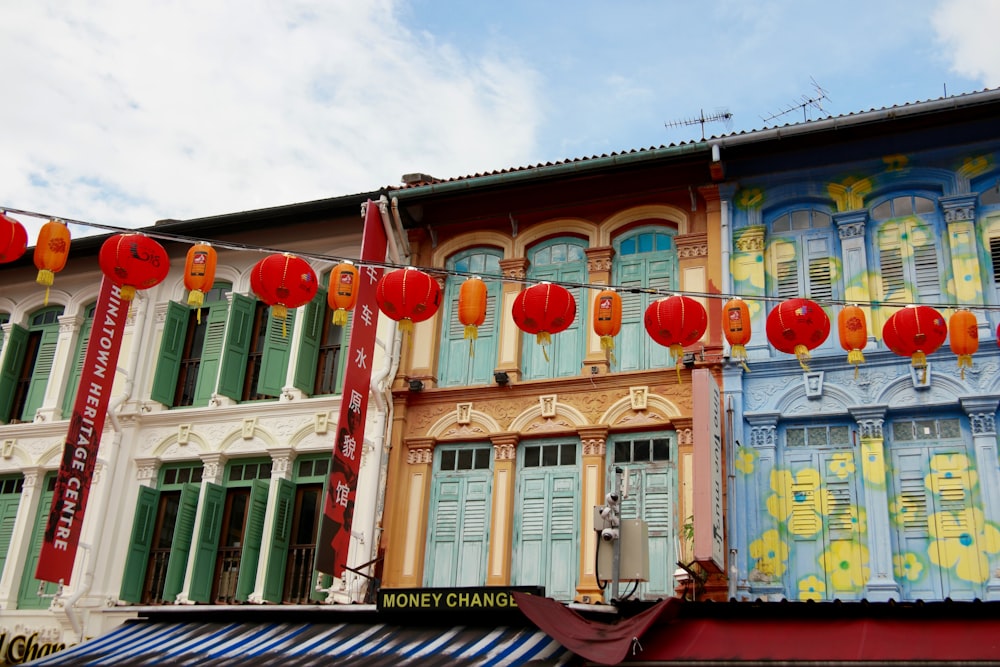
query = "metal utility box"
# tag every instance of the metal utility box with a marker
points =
(634, 557)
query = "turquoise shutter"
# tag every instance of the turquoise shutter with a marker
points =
(253, 535)
(143, 527)
(274, 578)
(73, 382)
(168, 364)
(15, 348)
(458, 368)
(180, 547)
(547, 554)
(211, 352)
(41, 372)
(207, 545)
(277, 351)
(237, 347)
(9, 504)
(458, 531)
(650, 501)
(308, 356)
(28, 596)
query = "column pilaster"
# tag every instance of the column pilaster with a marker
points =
(594, 442)
(502, 518)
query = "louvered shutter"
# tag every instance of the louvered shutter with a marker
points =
(13, 358)
(180, 546)
(276, 354)
(73, 380)
(41, 372)
(29, 596)
(253, 536)
(786, 270)
(137, 558)
(9, 504)
(274, 578)
(214, 321)
(237, 346)
(458, 530)
(207, 544)
(168, 363)
(308, 355)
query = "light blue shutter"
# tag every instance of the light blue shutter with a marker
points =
(651, 489)
(546, 526)
(459, 530)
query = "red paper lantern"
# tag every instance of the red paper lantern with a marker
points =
(342, 293)
(796, 326)
(915, 332)
(736, 328)
(408, 296)
(51, 251)
(675, 322)
(283, 281)
(544, 309)
(963, 336)
(133, 262)
(199, 273)
(13, 239)
(852, 328)
(608, 318)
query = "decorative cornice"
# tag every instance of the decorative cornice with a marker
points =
(763, 436)
(692, 245)
(515, 269)
(750, 239)
(599, 259)
(958, 208)
(419, 450)
(983, 423)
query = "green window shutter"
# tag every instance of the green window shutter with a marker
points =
(168, 364)
(274, 579)
(308, 357)
(277, 351)
(9, 502)
(253, 535)
(344, 351)
(211, 352)
(28, 596)
(4, 319)
(41, 372)
(237, 347)
(180, 547)
(13, 358)
(143, 526)
(73, 382)
(207, 545)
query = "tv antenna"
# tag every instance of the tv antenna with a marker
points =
(805, 102)
(721, 115)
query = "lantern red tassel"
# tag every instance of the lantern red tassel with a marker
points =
(852, 328)
(608, 319)
(342, 293)
(133, 262)
(675, 322)
(51, 252)
(283, 281)
(13, 239)
(915, 332)
(544, 309)
(472, 308)
(797, 326)
(963, 336)
(408, 296)
(736, 323)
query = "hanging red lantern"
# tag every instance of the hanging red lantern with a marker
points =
(472, 307)
(199, 273)
(283, 281)
(608, 318)
(51, 252)
(544, 309)
(13, 239)
(133, 262)
(963, 336)
(342, 293)
(675, 322)
(915, 332)
(852, 328)
(736, 328)
(796, 326)
(408, 296)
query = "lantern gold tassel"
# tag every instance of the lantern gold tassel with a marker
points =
(964, 361)
(127, 292)
(195, 299)
(677, 352)
(339, 317)
(739, 353)
(471, 333)
(46, 278)
(406, 325)
(544, 338)
(857, 358)
(608, 345)
(802, 354)
(280, 312)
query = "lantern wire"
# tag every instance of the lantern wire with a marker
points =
(444, 272)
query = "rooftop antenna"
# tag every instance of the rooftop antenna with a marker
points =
(720, 115)
(805, 102)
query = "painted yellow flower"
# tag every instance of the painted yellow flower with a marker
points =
(747, 275)
(907, 566)
(907, 511)
(966, 286)
(873, 463)
(812, 588)
(799, 500)
(950, 472)
(960, 541)
(842, 464)
(770, 552)
(847, 563)
(750, 198)
(858, 518)
(745, 458)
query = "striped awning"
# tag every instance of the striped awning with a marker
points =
(204, 644)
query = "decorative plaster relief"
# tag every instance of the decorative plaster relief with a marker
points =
(594, 446)
(639, 396)
(463, 413)
(983, 423)
(763, 436)
(504, 452)
(548, 405)
(685, 436)
(420, 455)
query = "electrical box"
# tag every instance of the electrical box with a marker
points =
(634, 556)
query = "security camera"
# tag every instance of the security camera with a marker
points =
(609, 534)
(611, 499)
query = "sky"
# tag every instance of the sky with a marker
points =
(124, 112)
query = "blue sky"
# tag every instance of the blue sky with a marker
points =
(123, 112)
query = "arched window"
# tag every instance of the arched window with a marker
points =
(561, 260)
(458, 363)
(27, 365)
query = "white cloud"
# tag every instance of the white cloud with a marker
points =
(967, 30)
(126, 111)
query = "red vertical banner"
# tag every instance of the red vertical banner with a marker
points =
(342, 486)
(62, 531)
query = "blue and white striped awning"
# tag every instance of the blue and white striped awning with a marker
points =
(289, 644)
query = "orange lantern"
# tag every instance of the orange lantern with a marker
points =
(342, 293)
(796, 326)
(199, 273)
(472, 307)
(51, 252)
(13, 239)
(963, 336)
(915, 332)
(133, 262)
(675, 322)
(736, 328)
(283, 281)
(408, 296)
(544, 309)
(608, 318)
(852, 328)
